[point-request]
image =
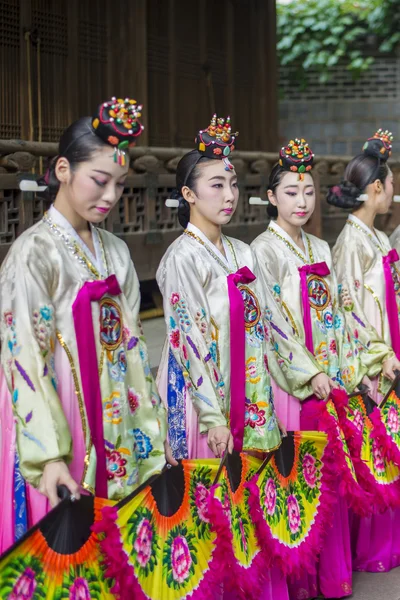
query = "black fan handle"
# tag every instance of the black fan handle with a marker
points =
(63, 492)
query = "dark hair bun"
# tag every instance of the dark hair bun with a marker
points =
(183, 208)
(344, 195)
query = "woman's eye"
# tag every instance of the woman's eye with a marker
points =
(235, 185)
(99, 183)
(310, 194)
(218, 185)
(291, 194)
(121, 184)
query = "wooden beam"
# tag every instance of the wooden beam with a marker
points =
(267, 74)
(25, 25)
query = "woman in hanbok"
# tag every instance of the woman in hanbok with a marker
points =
(83, 409)
(226, 339)
(367, 274)
(297, 268)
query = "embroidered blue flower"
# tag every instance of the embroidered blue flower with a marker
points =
(142, 445)
(213, 351)
(46, 313)
(340, 287)
(337, 322)
(122, 361)
(268, 314)
(328, 320)
(277, 289)
(172, 323)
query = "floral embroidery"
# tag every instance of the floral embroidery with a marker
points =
(348, 374)
(318, 293)
(112, 409)
(321, 354)
(328, 320)
(357, 285)
(337, 322)
(254, 417)
(180, 307)
(111, 331)
(174, 298)
(346, 299)
(333, 347)
(277, 289)
(143, 445)
(251, 370)
(201, 321)
(115, 464)
(8, 318)
(174, 338)
(42, 328)
(134, 400)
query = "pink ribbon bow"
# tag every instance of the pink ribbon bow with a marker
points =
(391, 303)
(238, 353)
(92, 291)
(322, 270)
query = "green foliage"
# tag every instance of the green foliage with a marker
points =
(319, 34)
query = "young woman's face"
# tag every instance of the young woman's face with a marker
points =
(216, 193)
(294, 199)
(94, 187)
(385, 197)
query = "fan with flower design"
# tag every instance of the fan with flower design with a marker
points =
(370, 447)
(59, 558)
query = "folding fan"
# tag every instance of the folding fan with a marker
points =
(159, 541)
(370, 447)
(59, 558)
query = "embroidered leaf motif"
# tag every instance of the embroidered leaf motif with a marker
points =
(25, 375)
(291, 356)
(15, 396)
(45, 370)
(132, 343)
(207, 358)
(28, 417)
(358, 319)
(118, 442)
(203, 398)
(109, 444)
(193, 347)
(200, 381)
(33, 439)
(278, 330)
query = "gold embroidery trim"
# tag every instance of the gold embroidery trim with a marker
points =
(371, 237)
(210, 252)
(81, 410)
(292, 248)
(231, 248)
(375, 297)
(290, 316)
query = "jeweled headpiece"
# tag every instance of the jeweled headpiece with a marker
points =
(380, 145)
(296, 157)
(217, 140)
(117, 123)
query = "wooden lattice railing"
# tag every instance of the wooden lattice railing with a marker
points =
(141, 217)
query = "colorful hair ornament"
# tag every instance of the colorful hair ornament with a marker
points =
(217, 140)
(117, 123)
(380, 145)
(296, 157)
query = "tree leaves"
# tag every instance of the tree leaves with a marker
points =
(318, 34)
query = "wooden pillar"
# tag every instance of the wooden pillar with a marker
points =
(127, 54)
(267, 75)
(25, 25)
(72, 62)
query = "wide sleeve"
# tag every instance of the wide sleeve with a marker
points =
(395, 239)
(187, 314)
(132, 293)
(290, 364)
(348, 265)
(27, 356)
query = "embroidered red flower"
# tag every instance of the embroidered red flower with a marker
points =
(133, 399)
(174, 338)
(332, 347)
(254, 417)
(115, 464)
(174, 298)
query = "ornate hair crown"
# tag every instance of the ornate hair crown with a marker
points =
(117, 123)
(380, 145)
(217, 140)
(296, 157)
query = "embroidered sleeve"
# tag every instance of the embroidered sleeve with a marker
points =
(189, 329)
(132, 292)
(28, 341)
(351, 288)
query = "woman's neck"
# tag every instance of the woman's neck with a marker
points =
(366, 214)
(293, 231)
(212, 231)
(80, 224)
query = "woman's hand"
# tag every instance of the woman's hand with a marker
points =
(389, 367)
(168, 455)
(54, 474)
(367, 382)
(219, 440)
(322, 386)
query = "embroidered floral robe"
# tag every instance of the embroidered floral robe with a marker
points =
(336, 348)
(40, 279)
(357, 258)
(192, 278)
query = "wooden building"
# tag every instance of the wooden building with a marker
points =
(183, 59)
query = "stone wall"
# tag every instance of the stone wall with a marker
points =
(336, 118)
